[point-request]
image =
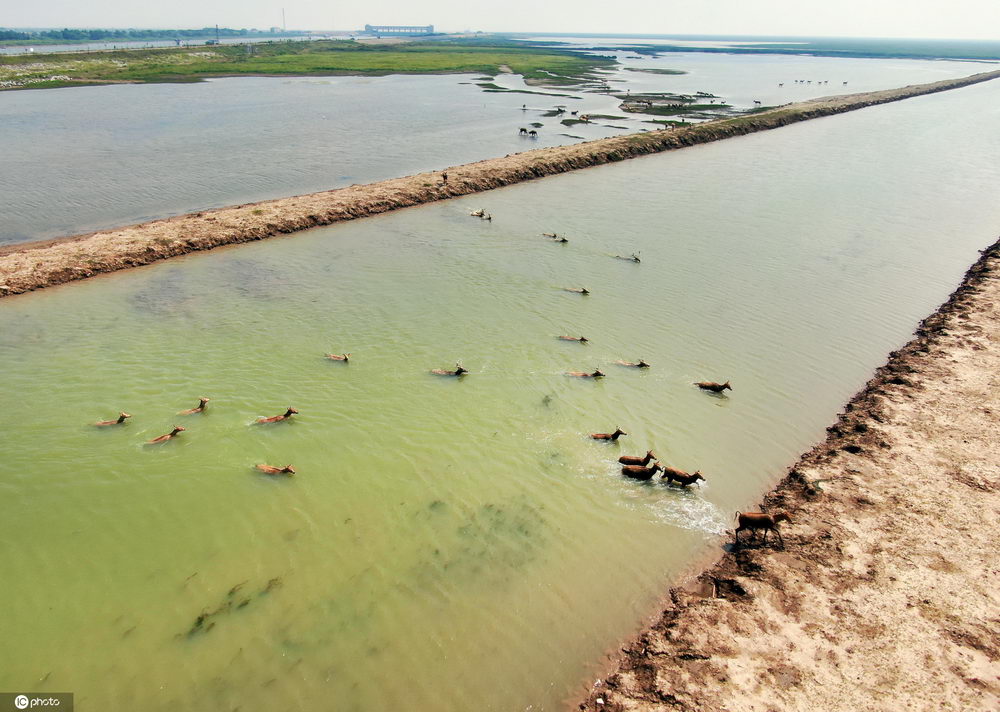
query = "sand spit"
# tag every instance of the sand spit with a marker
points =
(887, 593)
(29, 266)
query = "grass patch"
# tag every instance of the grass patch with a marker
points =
(328, 57)
(677, 110)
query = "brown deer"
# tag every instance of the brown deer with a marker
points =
(681, 477)
(713, 386)
(633, 460)
(583, 374)
(637, 364)
(169, 436)
(200, 408)
(609, 436)
(271, 470)
(459, 371)
(755, 521)
(278, 418)
(638, 472)
(339, 357)
(121, 419)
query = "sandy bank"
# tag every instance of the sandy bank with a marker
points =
(25, 267)
(887, 593)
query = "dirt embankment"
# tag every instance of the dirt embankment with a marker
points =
(886, 595)
(30, 266)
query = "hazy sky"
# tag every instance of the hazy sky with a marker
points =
(974, 19)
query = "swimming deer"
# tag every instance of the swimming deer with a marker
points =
(637, 364)
(459, 371)
(714, 387)
(200, 408)
(168, 436)
(638, 472)
(583, 374)
(576, 290)
(278, 418)
(633, 460)
(581, 339)
(271, 470)
(121, 419)
(339, 357)
(681, 477)
(634, 257)
(609, 436)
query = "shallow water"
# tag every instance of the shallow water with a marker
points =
(89, 158)
(456, 545)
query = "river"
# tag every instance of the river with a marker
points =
(88, 158)
(450, 544)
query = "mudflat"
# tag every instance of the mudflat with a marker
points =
(29, 266)
(886, 592)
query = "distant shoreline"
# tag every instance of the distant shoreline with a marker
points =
(26, 267)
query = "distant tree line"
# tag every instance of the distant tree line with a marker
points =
(133, 35)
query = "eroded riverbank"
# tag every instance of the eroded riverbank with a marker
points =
(885, 595)
(30, 266)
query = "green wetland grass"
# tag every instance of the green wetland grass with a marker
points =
(298, 59)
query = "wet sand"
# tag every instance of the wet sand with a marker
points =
(28, 266)
(886, 594)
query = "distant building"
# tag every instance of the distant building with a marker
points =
(400, 29)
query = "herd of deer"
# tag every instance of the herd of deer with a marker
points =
(638, 467)
(634, 467)
(200, 408)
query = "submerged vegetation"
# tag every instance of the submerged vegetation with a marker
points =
(308, 58)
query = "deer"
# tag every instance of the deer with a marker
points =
(169, 436)
(638, 472)
(271, 470)
(278, 418)
(681, 477)
(755, 521)
(633, 460)
(609, 436)
(459, 371)
(200, 408)
(714, 387)
(121, 419)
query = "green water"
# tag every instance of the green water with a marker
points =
(455, 544)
